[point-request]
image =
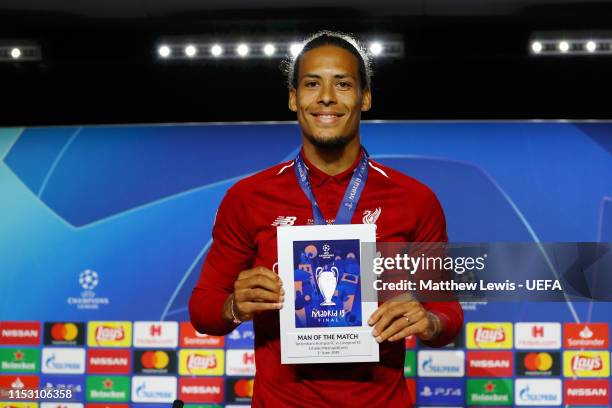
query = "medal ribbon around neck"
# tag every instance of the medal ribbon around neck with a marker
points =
(351, 195)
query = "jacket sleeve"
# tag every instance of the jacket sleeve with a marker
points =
(431, 227)
(231, 252)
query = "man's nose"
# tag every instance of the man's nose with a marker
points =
(327, 96)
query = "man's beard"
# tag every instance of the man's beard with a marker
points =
(334, 143)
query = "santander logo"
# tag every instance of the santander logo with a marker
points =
(586, 333)
(586, 363)
(201, 361)
(109, 333)
(489, 335)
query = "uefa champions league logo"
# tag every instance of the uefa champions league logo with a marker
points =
(88, 279)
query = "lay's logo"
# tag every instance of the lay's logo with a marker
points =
(201, 362)
(586, 364)
(109, 334)
(489, 335)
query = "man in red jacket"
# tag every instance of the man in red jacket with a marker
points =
(329, 88)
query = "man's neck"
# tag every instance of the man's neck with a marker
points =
(335, 161)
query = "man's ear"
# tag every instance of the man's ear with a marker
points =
(293, 99)
(366, 100)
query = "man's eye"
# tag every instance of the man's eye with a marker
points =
(344, 84)
(310, 84)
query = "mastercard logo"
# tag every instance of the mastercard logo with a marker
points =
(244, 388)
(538, 361)
(64, 331)
(155, 359)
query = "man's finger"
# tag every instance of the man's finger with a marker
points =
(258, 281)
(256, 295)
(389, 316)
(377, 314)
(394, 328)
(419, 327)
(254, 307)
(415, 315)
(260, 270)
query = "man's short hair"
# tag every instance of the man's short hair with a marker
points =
(335, 38)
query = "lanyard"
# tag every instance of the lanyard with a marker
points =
(351, 195)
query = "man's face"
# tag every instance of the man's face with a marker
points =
(328, 98)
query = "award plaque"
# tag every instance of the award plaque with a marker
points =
(327, 276)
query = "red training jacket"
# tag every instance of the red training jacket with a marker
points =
(244, 236)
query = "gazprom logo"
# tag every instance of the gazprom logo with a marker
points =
(53, 364)
(154, 389)
(63, 360)
(538, 392)
(142, 392)
(443, 363)
(430, 366)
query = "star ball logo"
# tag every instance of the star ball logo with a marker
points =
(88, 281)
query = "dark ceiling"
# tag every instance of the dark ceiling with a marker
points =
(464, 60)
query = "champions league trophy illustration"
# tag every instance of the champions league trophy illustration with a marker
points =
(327, 282)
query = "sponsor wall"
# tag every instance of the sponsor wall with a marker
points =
(106, 228)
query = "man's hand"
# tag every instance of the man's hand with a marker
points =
(255, 290)
(401, 317)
